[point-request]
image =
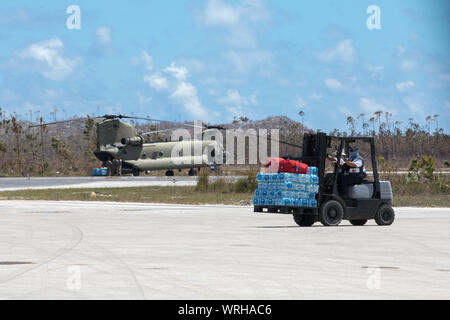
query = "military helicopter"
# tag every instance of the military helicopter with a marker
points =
(121, 150)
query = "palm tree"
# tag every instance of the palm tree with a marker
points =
(351, 123)
(301, 113)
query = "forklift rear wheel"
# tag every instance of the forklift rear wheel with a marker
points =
(136, 172)
(385, 215)
(304, 220)
(358, 222)
(331, 213)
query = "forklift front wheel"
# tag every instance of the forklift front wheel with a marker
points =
(304, 220)
(331, 213)
(358, 222)
(385, 215)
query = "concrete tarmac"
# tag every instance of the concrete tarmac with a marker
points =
(97, 250)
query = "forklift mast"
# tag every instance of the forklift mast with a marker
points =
(314, 152)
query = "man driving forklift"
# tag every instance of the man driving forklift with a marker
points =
(353, 171)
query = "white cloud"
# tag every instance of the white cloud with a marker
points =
(441, 81)
(253, 99)
(371, 106)
(415, 104)
(315, 96)
(48, 54)
(103, 35)
(403, 86)
(447, 104)
(245, 62)
(219, 13)
(345, 110)
(333, 84)
(7, 95)
(142, 99)
(408, 64)
(144, 59)
(157, 82)
(179, 72)
(400, 50)
(237, 19)
(186, 94)
(235, 103)
(299, 102)
(173, 80)
(344, 51)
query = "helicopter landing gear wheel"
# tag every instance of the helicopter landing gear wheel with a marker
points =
(192, 172)
(169, 173)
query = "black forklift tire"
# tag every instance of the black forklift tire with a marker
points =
(331, 213)
(304, 220)
(136, 172)
(358, 222)
(385, 215)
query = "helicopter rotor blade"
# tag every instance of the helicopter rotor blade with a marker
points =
(156, 131)
(58, 122)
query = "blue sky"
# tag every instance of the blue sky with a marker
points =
(216, 59)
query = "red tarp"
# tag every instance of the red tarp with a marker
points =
(282, 165)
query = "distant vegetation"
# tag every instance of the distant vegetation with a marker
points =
(67, 149)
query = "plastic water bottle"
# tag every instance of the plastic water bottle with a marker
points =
(313, 203)
(259, 177)
(312, 171)
(286, 201)
(255, 201)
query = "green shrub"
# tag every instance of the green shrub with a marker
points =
(421, 168)
(202, 182)
(441, 184)
(220, 185)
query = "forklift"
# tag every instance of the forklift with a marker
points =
(363, 202)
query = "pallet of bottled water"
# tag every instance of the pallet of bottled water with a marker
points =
(287, 189)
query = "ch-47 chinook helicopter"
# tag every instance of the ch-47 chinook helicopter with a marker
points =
(118, 146)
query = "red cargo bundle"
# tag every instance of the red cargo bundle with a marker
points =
(283, 165)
